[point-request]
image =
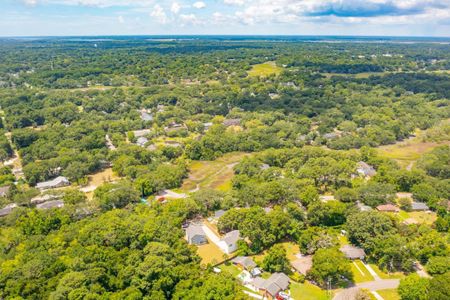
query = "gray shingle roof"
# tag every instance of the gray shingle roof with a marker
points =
(352, 252)
(56, 182)
(244, 261)
(195, 234)
(51, 204)
(231, 237)
(419, 206)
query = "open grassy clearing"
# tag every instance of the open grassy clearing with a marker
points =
(420, 217)
(408, 151)
(265, 69)
(383, 275)
(97, 179)
(360, 273)
(228, 267)
(390, 294)
(307, 291)
(291, 250)
(215, 174)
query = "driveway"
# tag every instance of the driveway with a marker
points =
(211, 235)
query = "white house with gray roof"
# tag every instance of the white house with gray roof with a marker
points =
(57, 182)
(228, 243)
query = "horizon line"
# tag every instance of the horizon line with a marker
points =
(227, 35)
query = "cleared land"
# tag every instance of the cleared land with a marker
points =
(408, 151)
(420, 217)
(215, 174)
(265, 69)
(97, 179)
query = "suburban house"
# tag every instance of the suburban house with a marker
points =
(173, 126)
(51, 204)
(271, 287)
(141, 141)
(140, 133)
(4, 191)
(7, 209)
(419, 206)
(244, 262)
(365, 169)
(388, 208)
(195, 235)
(352, 252)
(57, 182)
(303, 264)
(228, 243)
(232, 122)
(44, 198)
(145, 115)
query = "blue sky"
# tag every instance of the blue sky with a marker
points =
(283, 17)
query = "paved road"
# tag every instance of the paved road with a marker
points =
(381, 284)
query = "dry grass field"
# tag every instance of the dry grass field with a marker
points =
(265, 69)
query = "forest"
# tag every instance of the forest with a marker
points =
(307, 119)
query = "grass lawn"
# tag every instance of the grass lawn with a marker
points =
(230, 268)
(307, 291)
(383, 275)
(390, 294)
(361, 274)
(421, 217)
(265, 69)
(210, 253)
(214, 174)
(291, 250)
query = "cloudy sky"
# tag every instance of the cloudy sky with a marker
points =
(286, 17)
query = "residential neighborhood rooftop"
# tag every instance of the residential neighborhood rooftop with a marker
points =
(51, 204)
(54, 183)
(352, 252)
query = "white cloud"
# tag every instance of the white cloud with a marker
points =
(30, 2)
(234, 2)
(159, 14)
(175, 8)
(199, 4)
(121, 19)
(190, 19)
